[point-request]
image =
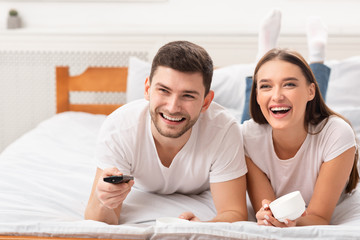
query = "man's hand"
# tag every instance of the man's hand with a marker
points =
(112, 195)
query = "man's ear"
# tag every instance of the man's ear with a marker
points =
(147, 89)
(207, 101)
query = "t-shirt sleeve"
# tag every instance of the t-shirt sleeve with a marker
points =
(109, 150)
(229, 162)
(339, 137)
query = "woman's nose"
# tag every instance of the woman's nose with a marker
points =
(277, 94)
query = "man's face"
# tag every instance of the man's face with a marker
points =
(176, 101)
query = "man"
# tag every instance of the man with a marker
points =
(174, 140)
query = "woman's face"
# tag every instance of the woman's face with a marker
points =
(282, 93)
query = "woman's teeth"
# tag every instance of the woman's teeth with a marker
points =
(280, 109)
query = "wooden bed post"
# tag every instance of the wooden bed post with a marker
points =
(62, 91)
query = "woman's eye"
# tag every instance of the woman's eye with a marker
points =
(290, 84)
(264, 86)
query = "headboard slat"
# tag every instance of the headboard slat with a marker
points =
(97, 79)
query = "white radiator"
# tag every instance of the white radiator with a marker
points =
(27, 84)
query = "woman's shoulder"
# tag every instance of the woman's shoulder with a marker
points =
(333, 123)
(334, 126)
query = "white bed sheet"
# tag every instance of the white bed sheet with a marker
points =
(46, 179)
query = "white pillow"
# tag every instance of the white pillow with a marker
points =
(344, 84)
(228, 83)
(138, 71)
(353, 115)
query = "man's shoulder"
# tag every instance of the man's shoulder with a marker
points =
(129, 114)
(134, 107)
(218, 114)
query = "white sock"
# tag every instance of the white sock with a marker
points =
(316, 39)
(269, 32)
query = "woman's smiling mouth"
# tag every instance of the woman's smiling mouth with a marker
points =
(280, 110)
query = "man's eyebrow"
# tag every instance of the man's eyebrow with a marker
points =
(185, 91)
(162, 86)
(192, 92)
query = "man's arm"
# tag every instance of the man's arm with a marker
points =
(230, 200)
(106, 199)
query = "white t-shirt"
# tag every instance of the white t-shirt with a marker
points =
(301, 171)
(213, 153)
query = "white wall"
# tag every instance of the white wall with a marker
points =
(342, 16)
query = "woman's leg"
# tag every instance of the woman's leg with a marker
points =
(317, 39)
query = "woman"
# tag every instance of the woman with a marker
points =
(295, 142)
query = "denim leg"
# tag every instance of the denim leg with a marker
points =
(322, 75)
(246, 111)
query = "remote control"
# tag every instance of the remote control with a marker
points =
(118, 179)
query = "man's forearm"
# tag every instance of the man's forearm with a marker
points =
(95, 210)
(230, 216)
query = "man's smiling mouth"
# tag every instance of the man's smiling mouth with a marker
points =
(173, 119)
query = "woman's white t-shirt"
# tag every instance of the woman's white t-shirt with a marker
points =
(301, 171)
(213, 153)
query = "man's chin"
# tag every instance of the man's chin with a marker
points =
(171, 134)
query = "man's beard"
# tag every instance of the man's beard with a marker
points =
(155, 117)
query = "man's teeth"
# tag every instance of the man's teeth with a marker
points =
(172, 119)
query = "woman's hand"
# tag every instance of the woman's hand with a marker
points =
(189, 216)
(265, 217)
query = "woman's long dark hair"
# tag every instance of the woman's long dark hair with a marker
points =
(316, 109)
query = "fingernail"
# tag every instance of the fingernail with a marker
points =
(286, 222)
(266, 206)
(266, 222)
(266, 217)
(181, 217)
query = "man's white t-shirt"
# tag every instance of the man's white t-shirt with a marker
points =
(301, 171)
(213, 153)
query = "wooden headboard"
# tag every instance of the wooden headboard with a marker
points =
(94, 79)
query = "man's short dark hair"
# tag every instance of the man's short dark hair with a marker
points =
(185, 56)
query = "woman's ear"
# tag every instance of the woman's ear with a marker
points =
(207, 101)
(147, 89)
(311, 91)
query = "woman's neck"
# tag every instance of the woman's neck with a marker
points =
(287, 143)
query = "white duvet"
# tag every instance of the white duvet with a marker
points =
(46, 178)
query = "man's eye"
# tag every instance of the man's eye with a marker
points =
(163, 90)
(189, 96)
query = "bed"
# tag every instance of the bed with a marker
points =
(47, 174)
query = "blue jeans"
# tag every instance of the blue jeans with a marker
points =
(320, 71)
